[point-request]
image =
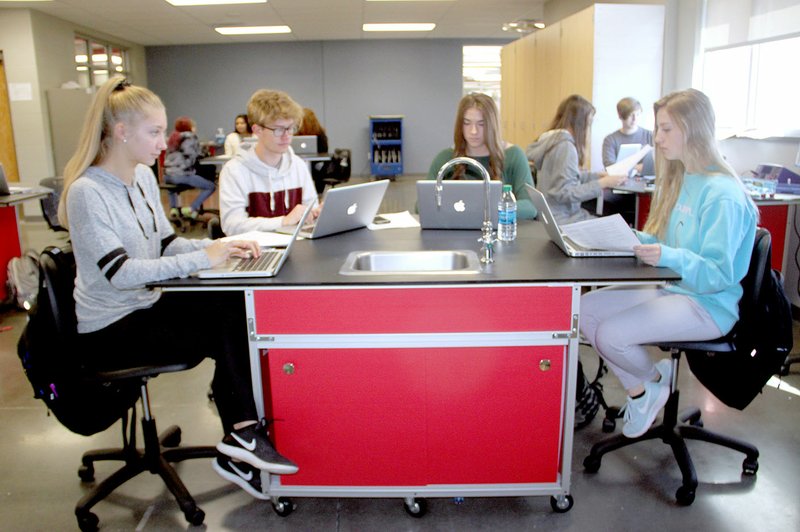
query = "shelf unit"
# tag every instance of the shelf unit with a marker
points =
(386, 145)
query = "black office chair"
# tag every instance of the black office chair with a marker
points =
(49, 203)
(338, 168)
(215, 228)
(57, 267)
(670, 431)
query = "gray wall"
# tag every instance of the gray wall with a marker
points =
(343, 81)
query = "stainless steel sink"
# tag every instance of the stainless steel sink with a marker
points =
(458, 261)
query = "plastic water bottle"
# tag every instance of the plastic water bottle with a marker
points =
(507, 216)
(219, 139)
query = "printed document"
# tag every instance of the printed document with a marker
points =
(624, 166)
(608, 232)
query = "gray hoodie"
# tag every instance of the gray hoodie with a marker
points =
(564, 184)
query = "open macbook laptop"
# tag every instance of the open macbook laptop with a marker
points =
(304, 144)
(462, 204)
(345, 209)
(268, 264)
(554, 232)
(6, 190)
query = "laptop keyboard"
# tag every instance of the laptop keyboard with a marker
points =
(264, 262)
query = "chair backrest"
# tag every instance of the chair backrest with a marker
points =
(58, 271)
(49, 203)
(753, 281)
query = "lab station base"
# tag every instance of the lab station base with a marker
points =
(417, 391)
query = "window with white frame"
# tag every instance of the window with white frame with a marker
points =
(481, 71)
(96, 61)
(748, 67)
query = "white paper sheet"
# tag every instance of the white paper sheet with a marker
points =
(265, 239)
(625, 166)
(396, 220)
(608, 232)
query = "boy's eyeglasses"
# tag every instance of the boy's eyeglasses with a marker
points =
(280, 131)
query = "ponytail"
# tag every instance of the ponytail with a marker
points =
(115, 101)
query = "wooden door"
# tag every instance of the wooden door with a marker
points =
(8, 153)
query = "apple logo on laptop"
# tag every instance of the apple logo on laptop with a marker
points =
(459, 206)
(351, 210)
(303, 145)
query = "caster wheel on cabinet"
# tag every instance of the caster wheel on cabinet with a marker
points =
(561, 503)
(283, 507)
(417, 508)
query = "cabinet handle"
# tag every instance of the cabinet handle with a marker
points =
(288, 368)
(544, 364)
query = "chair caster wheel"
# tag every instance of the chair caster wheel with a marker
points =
(173, 439)
(195, 516)
(609, 425)
(685, 496)
(283, 507)
(88, 522)
(561, 503)
(416, 508)
(750, 467)
(86, 473)
(591, 464)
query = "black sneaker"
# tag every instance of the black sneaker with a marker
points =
(251, 444)
(242, 474)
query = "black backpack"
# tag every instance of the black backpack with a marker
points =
(49, 355)
(762, 336)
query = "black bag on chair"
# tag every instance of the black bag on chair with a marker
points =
(47, 350)
(762, 338)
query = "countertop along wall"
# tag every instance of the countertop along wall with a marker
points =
(343, 81)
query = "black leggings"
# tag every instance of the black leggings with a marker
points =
(185, 327)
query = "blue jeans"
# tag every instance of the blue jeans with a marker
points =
(205, 186)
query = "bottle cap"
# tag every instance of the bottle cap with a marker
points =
(506, 188)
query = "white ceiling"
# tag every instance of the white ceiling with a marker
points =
(155, 22)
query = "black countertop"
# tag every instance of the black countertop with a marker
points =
(531, 258)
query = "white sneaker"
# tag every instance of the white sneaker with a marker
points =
(640, 413)
(664, 367)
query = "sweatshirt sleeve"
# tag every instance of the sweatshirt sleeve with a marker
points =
(711, 269)
(92, 229)
(567, 183)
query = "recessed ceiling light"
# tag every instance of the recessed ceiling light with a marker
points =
(252, 30)
(182, 3)
(416, 26)
(524, 25)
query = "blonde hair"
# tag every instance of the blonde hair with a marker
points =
(690, 111)
(494, 142)
(115, 101)
(267, 105)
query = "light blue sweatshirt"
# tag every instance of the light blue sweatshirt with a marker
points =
(709, 241)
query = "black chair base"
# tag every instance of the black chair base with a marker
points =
(792, 359)
(673, 431)
(157, 456)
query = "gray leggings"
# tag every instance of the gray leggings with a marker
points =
(618, 320)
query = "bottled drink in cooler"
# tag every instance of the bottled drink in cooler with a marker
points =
(507, 215)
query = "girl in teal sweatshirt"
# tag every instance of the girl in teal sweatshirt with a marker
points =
(702, 225)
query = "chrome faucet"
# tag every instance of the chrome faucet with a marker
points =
(487, 235)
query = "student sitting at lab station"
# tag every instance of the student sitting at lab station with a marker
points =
(241, 131)
(312, 126)
(560, 154)
(268, 186)
(477, 135)
(629, 110)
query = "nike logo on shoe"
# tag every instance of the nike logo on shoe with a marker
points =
(250, 446)
(248, 477)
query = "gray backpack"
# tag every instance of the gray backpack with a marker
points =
(23, 279)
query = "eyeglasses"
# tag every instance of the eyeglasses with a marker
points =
(280, 131)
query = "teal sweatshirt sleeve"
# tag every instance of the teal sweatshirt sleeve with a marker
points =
(708, 258)
(517, 173)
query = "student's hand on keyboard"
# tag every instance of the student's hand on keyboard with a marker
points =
(219, 251)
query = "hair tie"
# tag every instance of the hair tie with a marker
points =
(122, 84)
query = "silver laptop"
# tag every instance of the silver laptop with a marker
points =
(345, 209)
(462, 204)
(6, 190)
(268, 264)
(304, 144)
(554, 232)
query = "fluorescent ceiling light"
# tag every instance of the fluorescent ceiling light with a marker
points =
(416, 26)
(252, 30)
(181, 3)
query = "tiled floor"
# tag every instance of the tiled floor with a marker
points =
(634, 489)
